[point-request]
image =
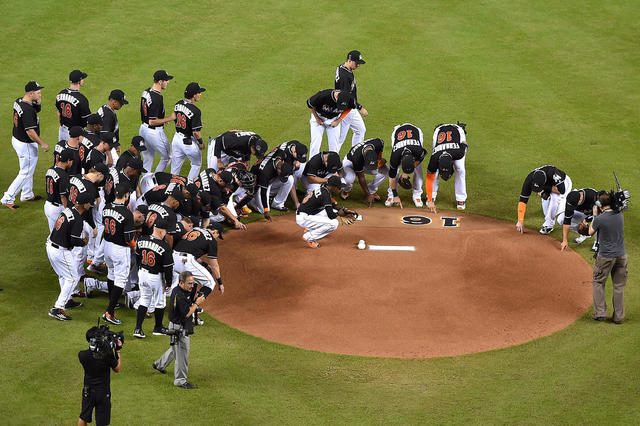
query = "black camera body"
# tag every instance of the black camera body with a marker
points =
(104, 342)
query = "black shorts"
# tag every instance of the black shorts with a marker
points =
(100, 399)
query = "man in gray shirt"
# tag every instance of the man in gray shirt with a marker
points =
(610, 259)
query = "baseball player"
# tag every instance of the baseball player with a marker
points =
(449, 152)
(552, 185)
(237, 193)
(117, 100)
(187, 141)
(167, 211)
(151, 180)
(578, 210)
(365, 157)
(235, 145)
(328, 108)
(155, 260)
(316, 214)
(73, 143)
(25, 141)
(119, 230)
(317, 170)
(153, 121)
(66, 235)
(214, 184)
(57, 186)
(346, 82)
(128, 175)
(73, 106)
(273, 174)
(100, 153)
(407, 152)
(137, 146)
(92, 132)
(293, 152)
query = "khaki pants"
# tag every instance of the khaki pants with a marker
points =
(180, 353)
(617, 266)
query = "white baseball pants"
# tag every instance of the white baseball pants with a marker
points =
(352, 121)
(317, 130)
(118, 260)
(460, 180)
(182, 152)
(95, 251)
(212, 160)
(553, 207)
(28, 160)
(156, 141)
(65, 265)
(379, 175)
(52, 212)
(151, 291)
(418, 180)
(186, 262)
(317, 226)
(63, 133)
(281, 190)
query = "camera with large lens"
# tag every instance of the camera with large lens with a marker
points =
(619, 198)
(104, 342)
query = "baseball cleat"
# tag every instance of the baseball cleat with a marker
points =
(546, 230)
(313, 244)
(157, 368)
(280, 208)
(111, 319)
(98, 269)
(34, 198)
(89, 286)
(187, 385)
(389, 202)
(418, 202)
(344, 195)
(139, 333)
(461, 205)
(581, 239)
(72, 304)
(162, 331)
(11, 206)
(79, 293)
(59, 314)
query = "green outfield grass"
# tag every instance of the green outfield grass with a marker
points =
(537, 82)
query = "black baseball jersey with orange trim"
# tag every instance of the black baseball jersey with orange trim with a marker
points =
(124, 159)
(198, 242)
(553, 177)
(114, 178)
(405, 138)
(317, 201)
(234, 144)
(80, 185)
(316, 167)
(154, 255)
(345, 81)
(164, 178)
(325, 104)
(188, 117)
(110, 123)
(284, 151)
(159, 193)
(67, 231)
(25, 117)
(449, 138)
(94, 157)
(205, 183)
(119, 227)
(163, 211)
(76, 166)
(57, 184)
(356, 156)
(73, 108)
(87, 143)
(265, 170)
(151, 106)
(589, 197)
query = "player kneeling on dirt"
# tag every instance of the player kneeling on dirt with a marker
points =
(365, 157)
(317, 212)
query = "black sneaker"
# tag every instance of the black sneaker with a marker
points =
(118, 305)
(139, 333)
(187, 385)
(162, 331)
(59, 314)
(72, 304)
(162, 370)
(546, 230)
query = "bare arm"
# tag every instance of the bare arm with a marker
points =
(162, 121)
(226, 213)
(34, 137)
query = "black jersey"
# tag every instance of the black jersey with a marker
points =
(346, 82)
(118, 224)
(589, 197)
(553, 177)
(163, 211)
(164, 178)
(188, 118)
(73, 108)
(87, 143)
(124, 159)
(198, 242)
(76, 165)
(67, 232)
(154, 255)
(235, 144)
(80, 185)
(114, 178)
(25, 117)
(206, 183)
(151, 106)
(159, 193)
(57, 184)
(449, 138)
(93, 157)
(325, 104)
(356, 156)
(110, 123)
(316, 167)
(317, 201)
(285, 151)
(266, 173)
(405, 138)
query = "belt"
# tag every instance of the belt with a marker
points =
(56, 246)
(149, 272)
(150, 126)
(185, 139)
(179, 253)
(54, 204)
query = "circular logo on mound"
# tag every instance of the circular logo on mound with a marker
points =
(416, 220)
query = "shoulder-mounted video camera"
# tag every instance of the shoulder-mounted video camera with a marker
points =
(104, 342)
(619, 198)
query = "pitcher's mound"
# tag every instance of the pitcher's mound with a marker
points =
(472, 284)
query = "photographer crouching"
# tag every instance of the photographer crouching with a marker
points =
(181, 309)
(611, 257)
(102, 356)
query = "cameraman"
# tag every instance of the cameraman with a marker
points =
(181, 309)
(98, 361)
(611, 257)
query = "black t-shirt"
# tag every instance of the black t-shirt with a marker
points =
(188, 117)
(73, 107)
(553, 177)
(346, 82)
(154, 255)
(25, 117)
(97, 372)
(406, 138)
(110, 123)
(316, 167)
(151, 106)
(573, 204)
(67, 231)
(119, 227)
(198, 242)
(317, 201)
(76, 166)
(325, 104)
(235, 144)
(163, 211)
(356, 156)
(179, 305)
(79, 185)
(57, 184)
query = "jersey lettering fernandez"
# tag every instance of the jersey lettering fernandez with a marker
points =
(160, 193)
(554, 177)
(163, 211)
(151, 106)
(235, 144)
(207, 184)
(155, 256)
(57, 184)
(114, 178)
(317, 201)
(73, 108)
(76, 165)
(449, 138)
(25, 117)
(406, 138)
(67, 231)
(356, 156)
(188, 117)
(118, 224)
(589, 197)
(80, 185)
(198, 242)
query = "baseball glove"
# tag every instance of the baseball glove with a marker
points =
(583, 228)
(405, 182)
(381, 163)
(347, 216)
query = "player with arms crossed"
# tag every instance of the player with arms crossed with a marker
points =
(153, 120)
(407, 153)
(187, 141)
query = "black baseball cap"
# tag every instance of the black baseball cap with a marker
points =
(335, 181)
(138, 143)
(286, 171)
(75, 131)
(539, 179)
(218, 227)
(101, 168)
(142, 208)
(176, 193)
(226, 176)
(356, 56)
(136, 164)
(118, 95)
(370, 159)
(407, 162)
(94, 119)
(333, 161)
(32, 86)
(161, 223)
(107, 137)
(445, 166)
(301, 152)
(83, 198)
(65, 155)
(161, 75)
(76, 75)
(261, 147)
(193, 88)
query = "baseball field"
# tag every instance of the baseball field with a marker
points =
(536, 82)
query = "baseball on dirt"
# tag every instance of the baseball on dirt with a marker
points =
(361, 245)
